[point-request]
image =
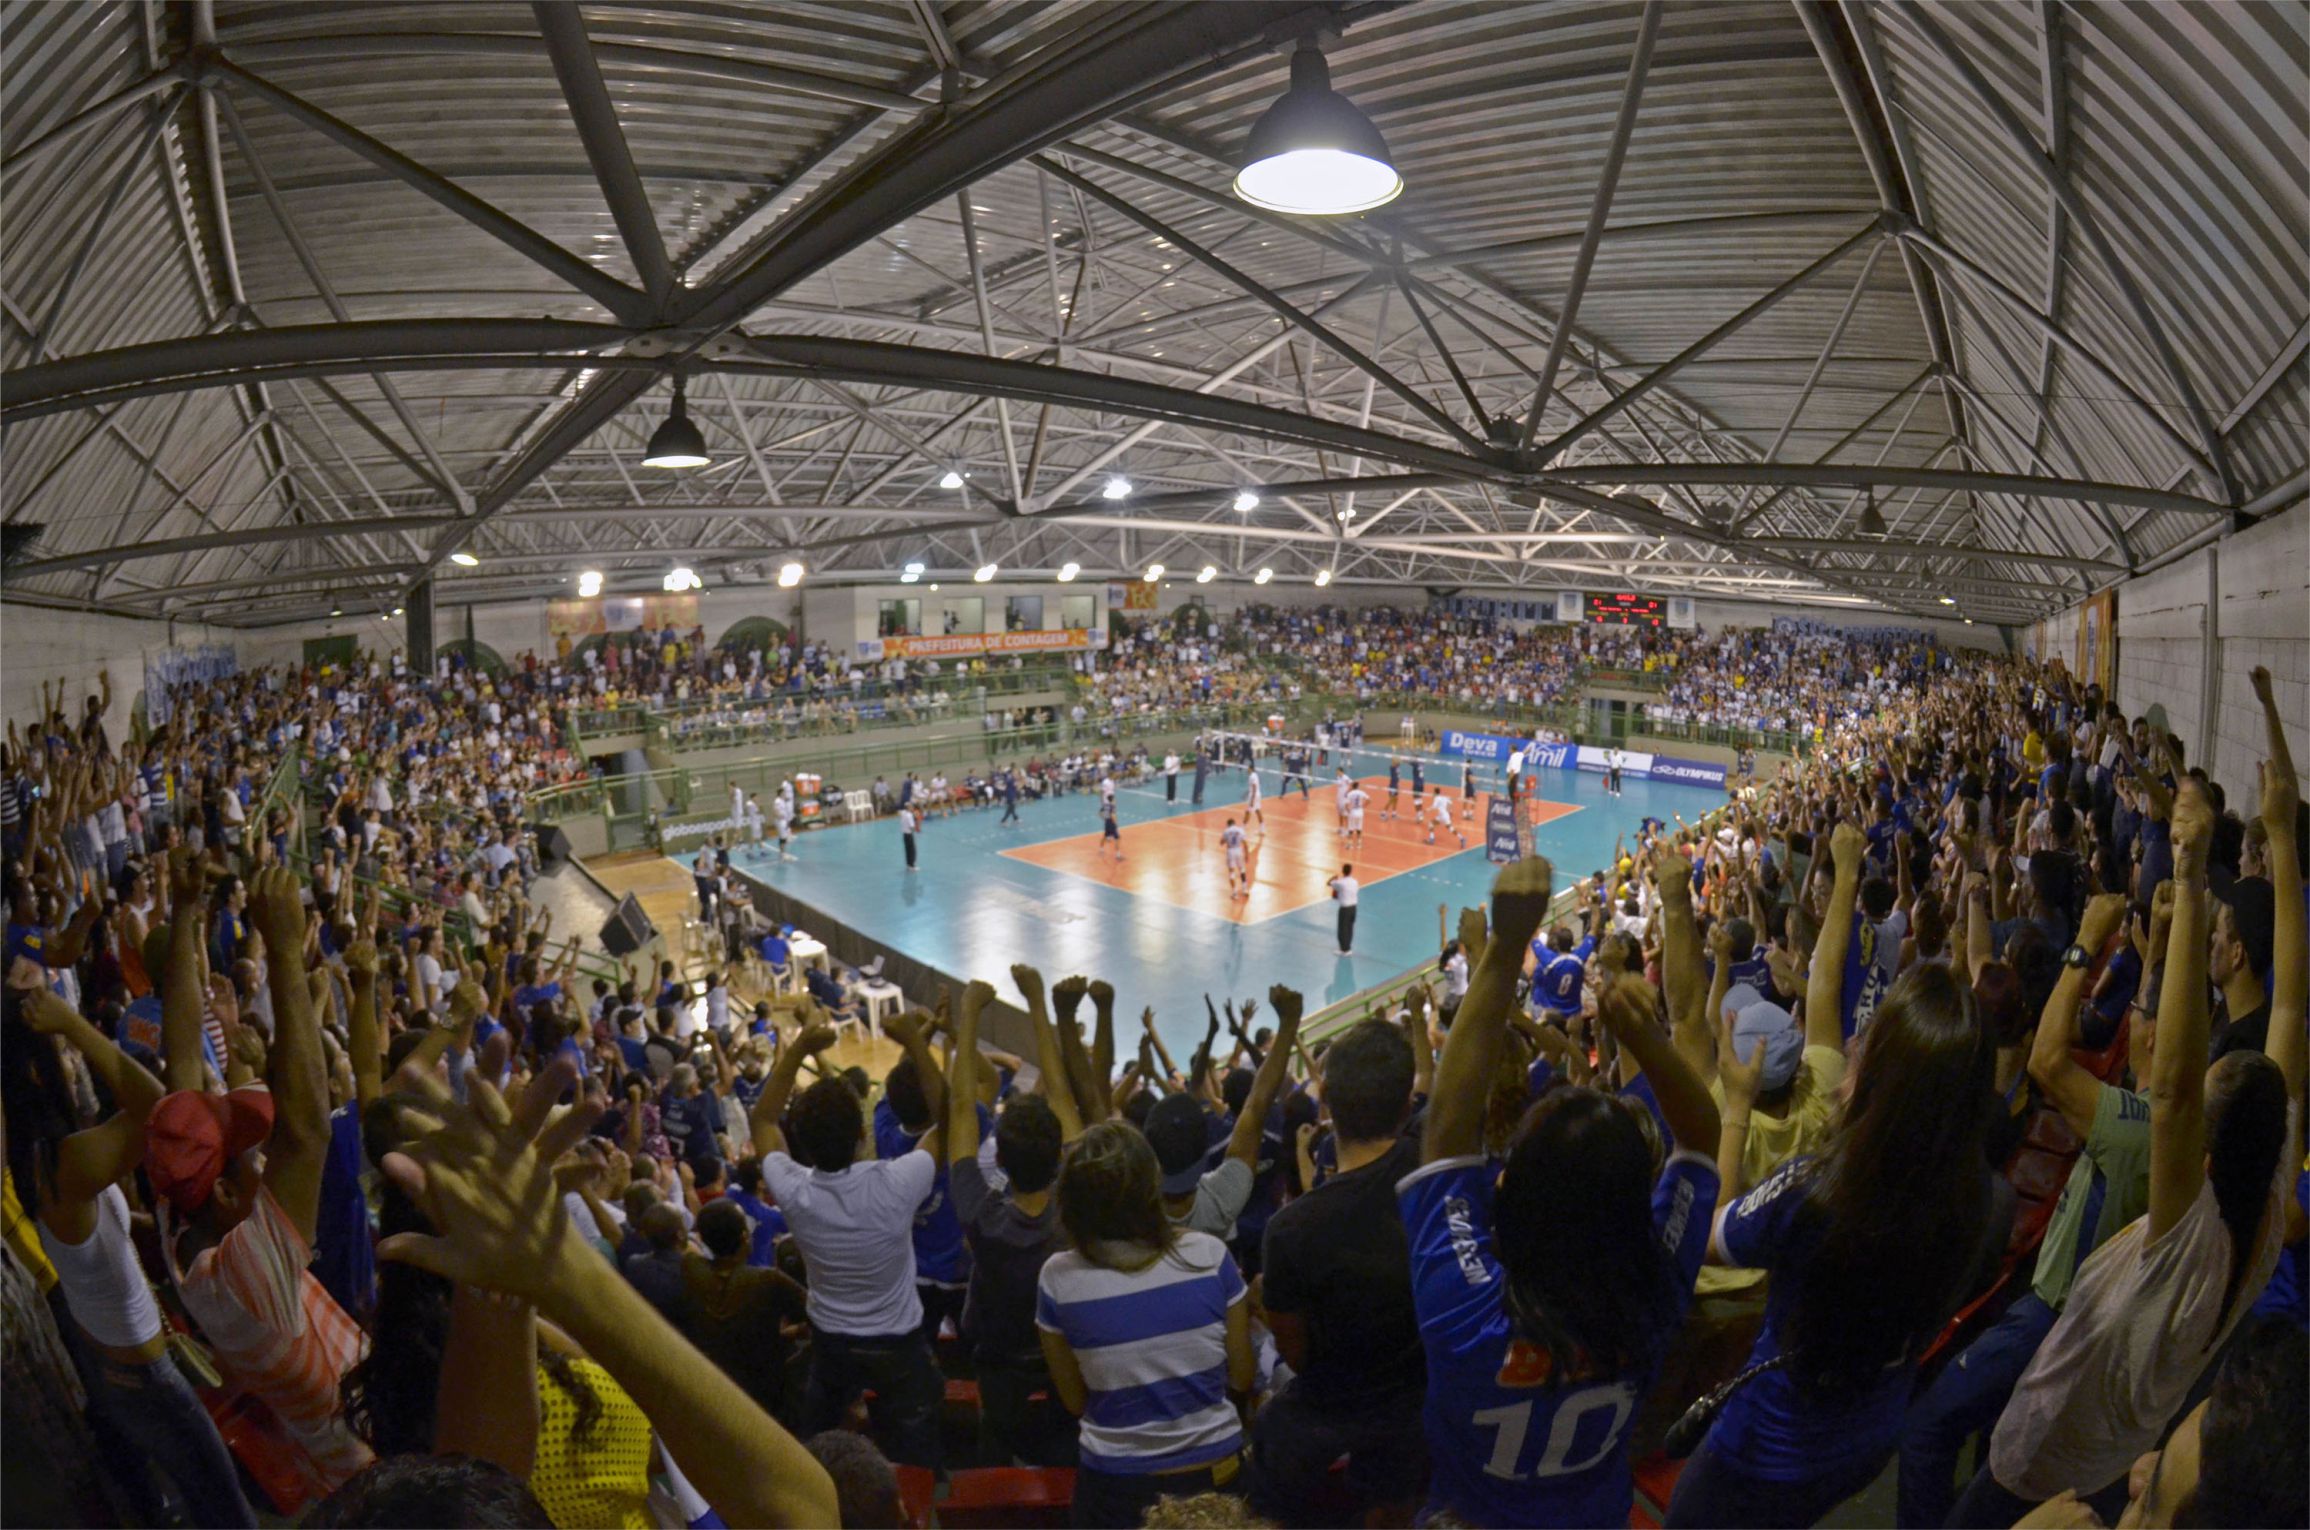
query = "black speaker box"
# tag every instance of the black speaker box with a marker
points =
(628, 930)
(552, 843)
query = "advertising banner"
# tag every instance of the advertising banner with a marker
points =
(1138, 595)
(621, 613)
(1500, 840)
(1691, 772)
(972, 645)
(1491, 747)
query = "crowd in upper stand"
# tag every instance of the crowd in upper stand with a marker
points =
(1935, 1108)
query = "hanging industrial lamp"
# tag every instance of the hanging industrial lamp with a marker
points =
(1313, 152)
(677, 443)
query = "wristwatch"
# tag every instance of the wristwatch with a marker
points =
(2077, 958)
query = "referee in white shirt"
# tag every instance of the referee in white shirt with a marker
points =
(1343, 892)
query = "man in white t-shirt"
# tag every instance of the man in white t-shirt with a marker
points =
(853, 1220)
(1238, 876)
(1440, 817)
(1344, 892)
(908, 823)
(1353, 827)
(1171, 776)
(782, 815)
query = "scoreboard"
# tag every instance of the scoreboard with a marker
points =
(1627, 610)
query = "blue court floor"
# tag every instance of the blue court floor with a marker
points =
(972, 911)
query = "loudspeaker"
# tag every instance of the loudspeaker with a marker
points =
(628, 930)
(552, 843)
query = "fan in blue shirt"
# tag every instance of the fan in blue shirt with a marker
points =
(1549, 1286)
(1559, 966)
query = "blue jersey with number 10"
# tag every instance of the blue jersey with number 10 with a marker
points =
(1512, 1443)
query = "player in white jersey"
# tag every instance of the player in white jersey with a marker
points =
(1356, 798)
(1238, 877)
(782, 813)
(1341, 786)
(1106, 793)
(1251, 807)
(1440, 817)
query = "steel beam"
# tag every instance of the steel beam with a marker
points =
(1936, 550)
(1835, 475)
(1607, 182)
(614, 295)
(596, 116)
(1677, 363)
(2065, 195)
(20, 160)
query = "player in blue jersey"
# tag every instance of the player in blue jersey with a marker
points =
(1559, 964)
(1548, 1286)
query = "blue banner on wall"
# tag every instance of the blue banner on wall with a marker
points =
(1490, 747)
(1501, 843)
(1692, 772)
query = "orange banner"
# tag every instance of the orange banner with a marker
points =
(974, 644)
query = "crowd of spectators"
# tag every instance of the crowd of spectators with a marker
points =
(1946, 1088)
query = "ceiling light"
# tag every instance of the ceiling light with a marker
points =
(1322, 577)
(1068, 571)
(1969, 621)
(1246, 502)
(1313, 152)
(336, 609)
(1206, 574)
(1117, 487)
(681, 579)
(913, 568)
(589, 583)
(910, 578)
(985, 572)
(677, 443)
(1154, 572)
(1348, 514)
(1948, 600)
(396, 610)
(934, 589)
(1263, 576)
(951, 480)
(789, 575)
(464, 559)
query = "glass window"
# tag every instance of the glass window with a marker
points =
(1023, 613)
(1075, 612)
(966, 615)
(898, 618)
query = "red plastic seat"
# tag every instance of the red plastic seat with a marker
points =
(917, 1494)
(2038, 1175)
(1655, 1478)
(2049, 1130)
(989, 1497)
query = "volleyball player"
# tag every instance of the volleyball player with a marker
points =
(1467, 788)
(1238, 877)
(1110, 832)
(1395, 785)
(1419, 785)
(1440, 817)
(1355, 799)
(1340, 787)
(1251, 807)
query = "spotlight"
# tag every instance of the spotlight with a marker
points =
(1206, 574)
(464, 559)
(1948, 600)
(789, 575)
(1068, 571)
(396, 610)
(911, 578)
(677, 443)
(1312, 152)
(1322, 577)
(1246, 502)
(336, 609)
(1154, 572)
(589, 583)
(985, 572)
(681, 579)
(952, 480)
(1263, 576)
(1118, 487)
(913, 568)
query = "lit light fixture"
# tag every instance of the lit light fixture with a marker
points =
(934, 589)
(589, 583)
(677, 443)
(1154, 572)
(789, 575)
(336, 609)
(1948, 600)
(1246, 502)
(396, 610)
(681, 579)
(986, 571)
(1118, 487)
(1263, 576)
(464, 559)
(1322, 577)
(1206, 574)
(1313, 152)
(1969, 621)
(1348, 514)
(910, 578)
(913, 568)
(1068, 571)
(952, 480)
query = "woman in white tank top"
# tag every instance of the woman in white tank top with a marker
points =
(69, 1179)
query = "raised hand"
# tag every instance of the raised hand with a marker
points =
(2104, 914)
(1067, 996)
(816, 1037)
(1520, 895)
(1847, 845)
(361, 958)
(1287, 1004)
(2193, 827)
(1029, 982)
(2281, 796)
(1102, 993)
(1741, 1080)
(976, 997)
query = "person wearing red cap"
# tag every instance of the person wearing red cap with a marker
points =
(239, 1176)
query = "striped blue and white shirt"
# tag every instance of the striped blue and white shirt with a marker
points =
(1152, 1345)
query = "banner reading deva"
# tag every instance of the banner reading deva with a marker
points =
(972, 645)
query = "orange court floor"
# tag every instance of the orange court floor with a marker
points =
(1293, 850)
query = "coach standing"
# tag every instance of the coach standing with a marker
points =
(1343, 892)
(1171, 776)
(908, 822)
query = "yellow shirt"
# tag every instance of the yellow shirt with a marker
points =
(24, 1236)
(603, 1479)
(1774, 1140)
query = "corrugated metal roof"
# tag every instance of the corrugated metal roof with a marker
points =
(2182, 130)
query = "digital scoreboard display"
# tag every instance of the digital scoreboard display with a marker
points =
(1627, 610)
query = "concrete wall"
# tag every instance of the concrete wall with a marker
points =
(38, 644)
